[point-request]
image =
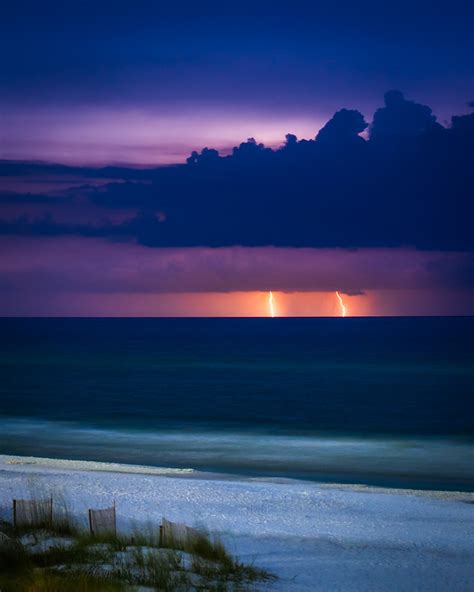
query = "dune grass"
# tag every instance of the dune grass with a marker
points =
(62, 556)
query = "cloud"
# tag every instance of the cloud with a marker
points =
(411, 183)
(94, 265)
(343, 128)
(401, 118)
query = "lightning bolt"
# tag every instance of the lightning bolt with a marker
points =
(341, 304)
(270, 304)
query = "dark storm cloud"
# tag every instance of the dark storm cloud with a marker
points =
(39, 169)
(139, 226)
(343, 128)
(410, 183)
(13, 198)
(99, 266)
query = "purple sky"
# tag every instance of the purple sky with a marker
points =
(110, 83)
(90, 135)
(78, 276)
(102, 82)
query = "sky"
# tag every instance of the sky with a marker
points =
(376, 207)
(103, 82)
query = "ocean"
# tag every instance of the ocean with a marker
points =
(377, 401)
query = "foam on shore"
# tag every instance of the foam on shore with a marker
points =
(38, 464)
(87, 465)
(417, 462)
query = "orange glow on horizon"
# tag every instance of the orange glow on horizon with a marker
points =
(255, 304)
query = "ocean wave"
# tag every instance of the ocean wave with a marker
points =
(422, 462)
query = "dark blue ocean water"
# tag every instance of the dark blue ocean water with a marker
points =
(386, 401)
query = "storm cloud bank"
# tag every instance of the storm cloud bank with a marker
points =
(409, 182)
(366, 210)
(96, 266)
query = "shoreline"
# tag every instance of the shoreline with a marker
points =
(390, 461)
(35, 464)
(314, 537)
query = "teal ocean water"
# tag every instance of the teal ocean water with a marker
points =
(377, 401)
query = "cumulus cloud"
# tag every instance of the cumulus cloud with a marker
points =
(343, 128)
(410, 183)
(401, 117)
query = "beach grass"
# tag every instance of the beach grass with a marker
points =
(63, 556)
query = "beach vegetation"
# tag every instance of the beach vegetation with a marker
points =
(61, 555)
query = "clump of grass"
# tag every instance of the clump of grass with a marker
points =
(64, 522)
(15, 563)
(62, 556)
(77, 581)
(61, 523)
(147, 535)
(76, 554)
(14, 558)
(114, 541)
(212, 561)
(231, 572)
(208, 547)
(159, 569)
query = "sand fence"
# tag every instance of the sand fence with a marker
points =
(32, 512)
(39, 513)
(103, 521)
(175, 535)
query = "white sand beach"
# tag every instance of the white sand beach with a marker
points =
(313, 537)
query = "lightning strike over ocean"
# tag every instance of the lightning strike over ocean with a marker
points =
(341, 303)
(270, 304)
